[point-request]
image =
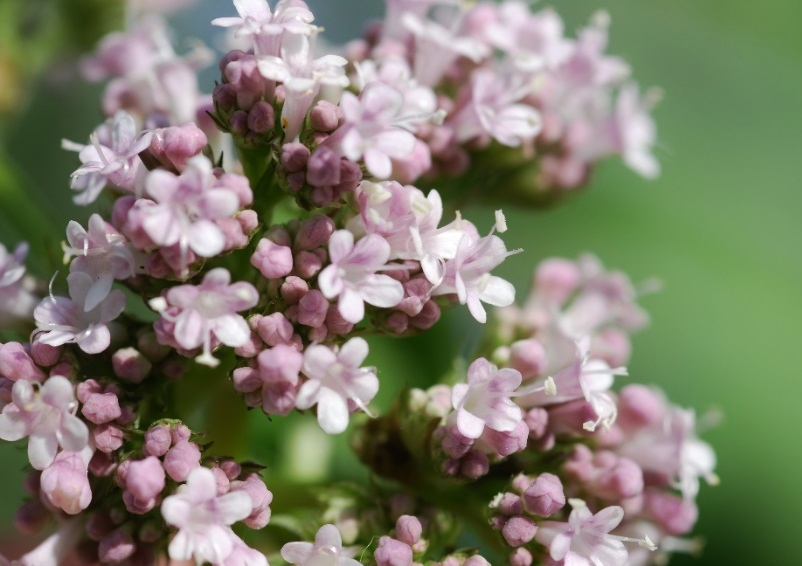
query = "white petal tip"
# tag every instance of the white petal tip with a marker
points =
(158, 304)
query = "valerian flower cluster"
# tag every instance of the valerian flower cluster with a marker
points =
(266, 229)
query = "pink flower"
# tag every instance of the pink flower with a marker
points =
(326, 551)
(485, 400)
(65, 482)
(101, 252)
(585, 540)
(187, 207)
(334, 379)
(202, 518)
(352, 275)
(46, 415)
(468, 275)
(17, 302)
(112, 157)
(372, 129)
(208, 312)
(65, 321)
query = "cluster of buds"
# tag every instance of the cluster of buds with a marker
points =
(189, 269)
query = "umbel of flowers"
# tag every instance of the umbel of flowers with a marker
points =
(265, 230)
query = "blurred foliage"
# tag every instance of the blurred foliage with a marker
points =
(720, 227)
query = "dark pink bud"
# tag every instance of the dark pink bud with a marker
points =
(101, 408)
(392, 552)
(307, 264)
(102, 465)
(180, 432)
(325, 116)
(545, 495)
(397, 322)
(519, 530)
(506, 443)
(43, 354)
(314, 232)
(251, 348)
(225, 96)
(108, 438)
(428, 316)
(157, 440)
(336, 323)
(474, 465)
(323, 168)
(455, 444)
(98, 526)
(408, 529)
(293, 289)
(271, 259)
(521, 482)
(294, 157)
(31, 517)
(239, 123)
(181, 459)
(261, 117)
(16, 364)
(416, 294)
(116, 547)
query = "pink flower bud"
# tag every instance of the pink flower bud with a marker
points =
(231, 469)
(639, 406)
(43, 354)
(180, 143)
(102, 465)
(261, 117)
(261, 497)
(238, 123)
(612, 346)
(325, 116)
(455, 444)
(181, 459)
(521, 482)
(157, 441)
(474, 465)
(278, 398)
(86, 388)
(336, 323)
(108, 438)
(510, 505)
(221, 481)
(428, 316)
(392, 552)
(506, 443)
(293, 289)
(145, 478)
(248, 221)
(180, 432)
(280, 363)
(521, 557)
(98, 526)
(416, 293)
(537, 420)
(101, 408)
(16, 364)
(225, 96)
(294, 157)
(323, 167)
(116, 547)
(397, 322)
(65, 483)
(274, 329)
(150, 347)
(528, 357)
(519, 530)
(622, 480)
(131, 365)
(556, 279)
(408, 529)
(307, 264)
(314, 232)
(271, 259)
(545, 495)
(312, 308)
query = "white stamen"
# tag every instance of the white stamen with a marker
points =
(158, 304)
(501, 222)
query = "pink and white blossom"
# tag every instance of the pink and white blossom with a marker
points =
(327, 550)
(111, 158)
(335, 379)
(203, 518)
(100, 252)
(206, 313)
(17, 300)
(352, 276)
(46, 415)
(67, 321)
(65, 482)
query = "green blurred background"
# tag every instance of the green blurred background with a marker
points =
(721, 228)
